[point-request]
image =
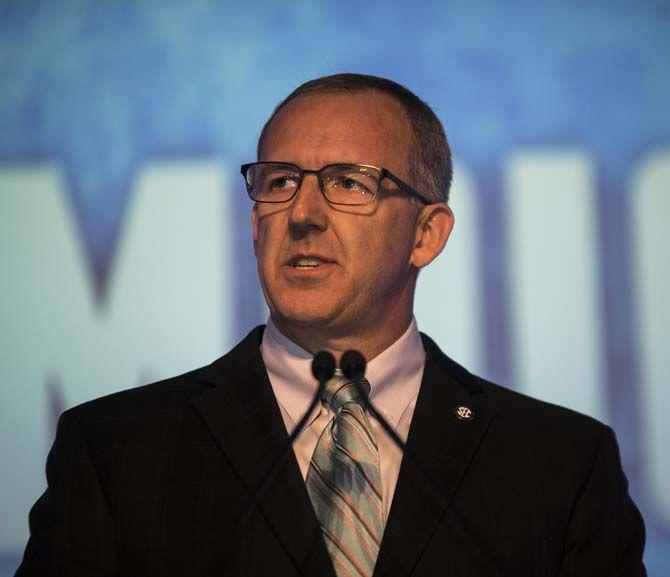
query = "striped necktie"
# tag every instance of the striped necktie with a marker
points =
(344, 483)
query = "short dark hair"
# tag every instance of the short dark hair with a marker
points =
(429, 159)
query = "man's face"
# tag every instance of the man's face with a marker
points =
(340, 269)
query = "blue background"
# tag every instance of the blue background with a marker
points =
(102, 88)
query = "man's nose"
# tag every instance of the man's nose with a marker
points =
(308, 207)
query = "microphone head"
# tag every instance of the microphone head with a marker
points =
(323, 366)
(353, 364)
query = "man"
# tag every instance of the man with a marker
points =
(178, 478)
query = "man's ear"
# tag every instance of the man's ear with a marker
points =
(433, 227)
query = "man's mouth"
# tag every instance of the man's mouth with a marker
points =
(307, 262)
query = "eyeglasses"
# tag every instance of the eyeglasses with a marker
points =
(348, 184)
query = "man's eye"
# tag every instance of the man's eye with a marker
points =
(348, 183)
(278, 182)
(283, 181)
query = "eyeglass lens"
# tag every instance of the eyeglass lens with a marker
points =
(340, 183)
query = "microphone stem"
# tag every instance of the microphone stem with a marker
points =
(460, 522)
(405, 450)
(278, 463)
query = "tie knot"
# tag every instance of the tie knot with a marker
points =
(340, 390)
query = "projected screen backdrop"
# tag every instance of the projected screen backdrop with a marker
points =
(124, 227)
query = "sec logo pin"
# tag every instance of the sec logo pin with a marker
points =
(464, 413)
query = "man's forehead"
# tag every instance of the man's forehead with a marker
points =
(326, 115)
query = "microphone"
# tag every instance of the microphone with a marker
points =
(353, 365)
(323, 368)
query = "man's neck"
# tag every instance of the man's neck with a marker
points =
(369, 344)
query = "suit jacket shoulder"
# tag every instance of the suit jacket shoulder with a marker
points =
(164, 479)
(503, 482)
(159, 397)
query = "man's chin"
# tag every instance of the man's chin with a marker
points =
(303, 318)
(304, 315)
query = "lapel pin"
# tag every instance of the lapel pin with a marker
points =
(464, 413)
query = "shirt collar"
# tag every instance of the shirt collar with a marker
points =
(394, 375)
(289, 368)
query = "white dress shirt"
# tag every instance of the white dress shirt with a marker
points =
(395, 378)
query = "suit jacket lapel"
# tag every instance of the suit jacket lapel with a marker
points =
(242, 414)
(444, 446)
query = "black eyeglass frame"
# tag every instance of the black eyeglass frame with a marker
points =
(383, 173)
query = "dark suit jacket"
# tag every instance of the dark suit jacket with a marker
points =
(158, 481)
